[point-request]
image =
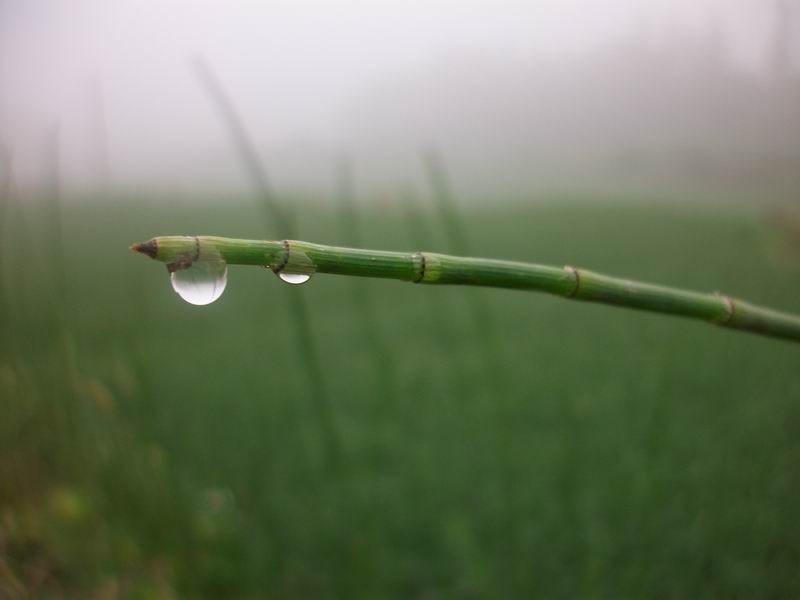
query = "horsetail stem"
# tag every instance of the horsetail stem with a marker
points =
(431, 268)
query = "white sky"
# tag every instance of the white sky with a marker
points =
(292, 65)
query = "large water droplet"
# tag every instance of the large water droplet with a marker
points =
(201, 283)
(294, 278)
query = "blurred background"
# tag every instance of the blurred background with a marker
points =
(359, 438)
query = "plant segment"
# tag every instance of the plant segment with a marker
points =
(431, 268)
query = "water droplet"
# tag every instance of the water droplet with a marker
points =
(296, 268)
(202, 282)
(294, 278)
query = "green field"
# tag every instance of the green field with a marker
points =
(153, 449)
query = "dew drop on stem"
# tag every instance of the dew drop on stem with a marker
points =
(296, 267)
(294, 278)
(202, 282)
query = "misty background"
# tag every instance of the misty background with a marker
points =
(613, 96)
(355, 437)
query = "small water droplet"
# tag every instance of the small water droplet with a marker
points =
(202, 283)
(294, 278)
(296, 268)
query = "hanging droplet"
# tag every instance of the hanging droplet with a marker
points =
(294, 278)
(295, 267)
(202, 283)
(204, 280)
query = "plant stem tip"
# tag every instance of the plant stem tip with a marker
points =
(149, 248)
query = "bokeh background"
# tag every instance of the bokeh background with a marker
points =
(354, 438)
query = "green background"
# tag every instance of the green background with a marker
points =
(155, 449)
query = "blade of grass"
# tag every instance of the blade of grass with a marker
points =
(242, 144)
(5, 194)
(248, 156)
(438, 314)
(481, 324)
(54, 220)
(75, 417)
(5, 185)
(361, 295)
(482, 320)
(420, 236)
(445, 203)
(99, 133)
(17, 254)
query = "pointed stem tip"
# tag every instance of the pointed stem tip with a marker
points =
(150, 248)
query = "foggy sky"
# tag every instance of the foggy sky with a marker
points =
(113, 76)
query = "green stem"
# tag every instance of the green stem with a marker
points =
(431, 268)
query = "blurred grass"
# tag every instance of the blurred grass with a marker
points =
(159, 450)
